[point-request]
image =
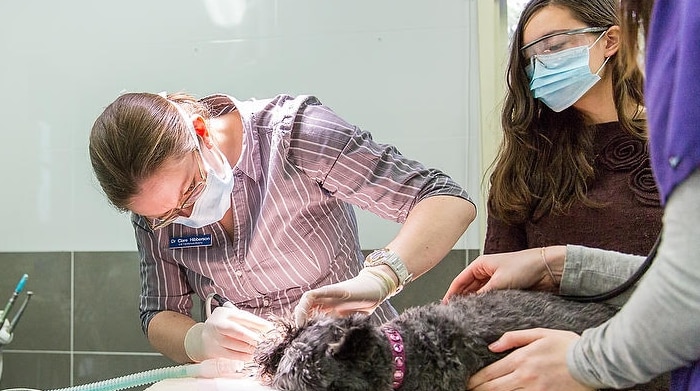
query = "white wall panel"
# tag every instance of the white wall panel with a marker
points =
(402, 69)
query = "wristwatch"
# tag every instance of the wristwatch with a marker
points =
(387, 257)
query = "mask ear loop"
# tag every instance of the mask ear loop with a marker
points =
(183, 116)
(188, 123)
(597, 39)
(193, 132)
(602, 65)
(606, 58)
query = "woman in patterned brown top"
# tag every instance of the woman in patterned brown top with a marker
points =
(573, 166)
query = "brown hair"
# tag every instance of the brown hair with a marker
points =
(545, 158)
(134, 136)
(634, 17)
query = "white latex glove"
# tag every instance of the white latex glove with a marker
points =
(228, 333)
(363, 293)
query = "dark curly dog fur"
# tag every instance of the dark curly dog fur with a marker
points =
(444, 344)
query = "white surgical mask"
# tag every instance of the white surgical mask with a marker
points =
(215, 199)
(562, 78)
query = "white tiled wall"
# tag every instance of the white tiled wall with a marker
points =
(406, 70)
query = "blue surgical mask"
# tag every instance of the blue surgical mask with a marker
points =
(215, 199)
(562, 78)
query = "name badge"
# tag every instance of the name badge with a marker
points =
(191, 241)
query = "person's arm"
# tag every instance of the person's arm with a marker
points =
(591, 271)
(570, 270)
(345, 161)
(539, 355)
(524, 269)
(166, 333)
(433, 226)
(228, 332)
(660, 320)
(157, 309)
(654, 332)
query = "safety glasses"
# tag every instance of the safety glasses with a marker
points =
(188, 198)
(555, 42)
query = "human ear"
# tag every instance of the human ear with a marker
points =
(200, 127)
(612, 40)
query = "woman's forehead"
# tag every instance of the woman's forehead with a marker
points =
(162, 189)
(548, 20)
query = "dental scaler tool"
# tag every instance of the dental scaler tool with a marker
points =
(19, 313)
(11, 302)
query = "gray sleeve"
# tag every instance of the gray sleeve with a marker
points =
(591, 271)
(657, 329)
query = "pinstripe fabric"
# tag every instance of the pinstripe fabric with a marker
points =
(301, 170)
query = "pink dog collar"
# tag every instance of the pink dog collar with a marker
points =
(398, 354)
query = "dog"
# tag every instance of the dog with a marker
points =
(427, 348)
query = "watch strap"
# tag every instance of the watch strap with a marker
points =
(387, 257)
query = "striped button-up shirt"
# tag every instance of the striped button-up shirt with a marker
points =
(301, 170)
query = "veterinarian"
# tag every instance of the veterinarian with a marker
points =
(574, 137)
(253, 200)
(657, 329)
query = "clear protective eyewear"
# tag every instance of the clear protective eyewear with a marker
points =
(555, 42)
(188, 198)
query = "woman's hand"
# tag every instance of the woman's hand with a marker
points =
(515, 270)
(363, 293)
(229, 333)
(537, 364)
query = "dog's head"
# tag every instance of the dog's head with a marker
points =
(326, 354)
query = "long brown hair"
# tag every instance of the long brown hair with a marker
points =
(634, 17)
(545, 158)
(134, 136)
